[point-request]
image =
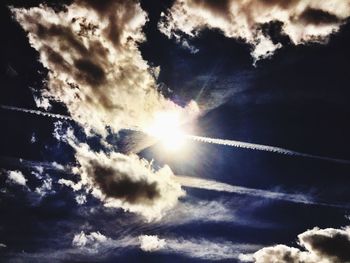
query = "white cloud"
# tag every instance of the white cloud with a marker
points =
(17, 177)
(303, 21)
(45, 188)
(71, 184)
(2, 246)
(151, 243)
(95, 242)
(33, 138)
(328, 245)
(92, 240)
(80, 199)
(42, 102)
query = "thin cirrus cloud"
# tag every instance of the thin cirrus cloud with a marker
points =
(196, 248)
(302, 21)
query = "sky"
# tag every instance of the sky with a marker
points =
(174, 131)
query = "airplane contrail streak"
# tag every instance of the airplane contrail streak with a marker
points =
(261, 147)
(37, 112)
(231, 143)
(200, 183)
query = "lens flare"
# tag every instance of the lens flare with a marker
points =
(166, 128)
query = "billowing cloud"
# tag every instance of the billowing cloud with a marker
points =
(127, 182)
(17, 177)
(95, 67)
(303, 21)
(151, 243)
(328, 245)
(95, 243)
(91, 241)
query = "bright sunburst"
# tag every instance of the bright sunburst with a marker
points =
(166, 127)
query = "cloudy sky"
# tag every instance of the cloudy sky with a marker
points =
(175, 131)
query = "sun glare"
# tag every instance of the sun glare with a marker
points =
(166, 127)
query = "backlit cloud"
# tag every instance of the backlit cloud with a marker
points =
(95, 67)
(126, 182)
(302, 20)
(328, 245)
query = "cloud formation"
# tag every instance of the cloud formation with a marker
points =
(95, 67)
(96, 70)
(126, 182)
(328, 245)
(17, 177)
(95, 243)
(151, 243)
(90, 241)
(302, 21)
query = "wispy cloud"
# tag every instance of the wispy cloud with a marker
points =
(300, 198)
(196, 248)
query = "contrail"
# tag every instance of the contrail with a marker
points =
(265, 148)
(231, 143)
(37, 112)
(199, 183)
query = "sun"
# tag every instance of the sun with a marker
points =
(166, 127)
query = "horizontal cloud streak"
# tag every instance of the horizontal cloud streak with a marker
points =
(194, 182)
(196, 248)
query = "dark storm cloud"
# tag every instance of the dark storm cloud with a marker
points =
(118, 184)
(328, 245)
